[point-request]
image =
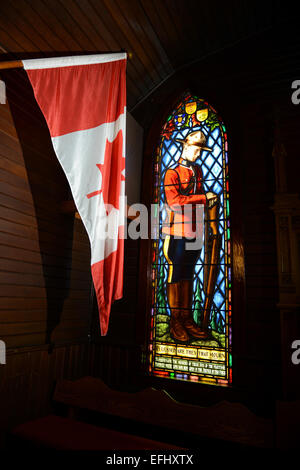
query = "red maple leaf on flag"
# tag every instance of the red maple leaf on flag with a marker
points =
(111, 171)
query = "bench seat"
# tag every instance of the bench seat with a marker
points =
(57, 432)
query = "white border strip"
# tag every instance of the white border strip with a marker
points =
(55, 62)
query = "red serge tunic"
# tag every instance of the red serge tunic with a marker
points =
(183, 187)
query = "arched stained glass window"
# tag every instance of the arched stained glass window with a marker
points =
(190, 321)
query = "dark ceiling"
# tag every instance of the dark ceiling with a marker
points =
(161, 37)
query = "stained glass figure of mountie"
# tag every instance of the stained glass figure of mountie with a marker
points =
(183, 228)
(190, 322)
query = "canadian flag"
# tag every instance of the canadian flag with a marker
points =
(83, 100)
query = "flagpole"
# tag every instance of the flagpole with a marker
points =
(13, 64)
(18, 64)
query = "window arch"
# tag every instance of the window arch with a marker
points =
(190, 337)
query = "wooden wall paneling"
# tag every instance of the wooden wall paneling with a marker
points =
(82, 361)
(96, 25)
(74, 19)
(28, 380)
(11, 192)
(195, 37)
(59, 361)
(20, 23)
(17, 266)
(140, 49)
(11, 44)
(10, 148)
(20, 243)
(19, 181)
(261, 339)
(16, 28)
(110, 43)
(50, 186)
(287, 115)
(140, 24)
(245, 103)
(50, 261)
(12, 168)
(37, 25)
(10, 317)
(50, 12)
(14, 186)
(161, 20)
(32, 244)
(139, 73)
(158, 35)
(7, 126)
(45, 255)
(20, 97)
(39, 292)
(181, 18)
(121, 329)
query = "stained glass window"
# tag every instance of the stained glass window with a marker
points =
(189, 335)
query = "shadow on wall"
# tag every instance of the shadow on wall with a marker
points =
(49, 187)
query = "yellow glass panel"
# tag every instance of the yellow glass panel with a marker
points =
(202, 114)
(190, 108)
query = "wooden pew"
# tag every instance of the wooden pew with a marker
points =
(150, 409)
(56, 432)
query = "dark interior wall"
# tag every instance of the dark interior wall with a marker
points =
(250, 86)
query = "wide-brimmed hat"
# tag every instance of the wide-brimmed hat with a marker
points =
(196, 138)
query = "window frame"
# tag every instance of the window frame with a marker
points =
(187, 391)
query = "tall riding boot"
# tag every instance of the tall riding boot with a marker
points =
(177, 331)
(186, 294)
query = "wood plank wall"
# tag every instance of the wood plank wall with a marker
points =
(28, 379)
(45, 281)
(117, 357)
(261, 350)
(45, 276)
